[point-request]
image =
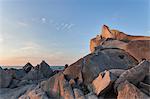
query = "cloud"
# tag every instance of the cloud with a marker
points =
(30, 46)
(23, 24)
(64, 26)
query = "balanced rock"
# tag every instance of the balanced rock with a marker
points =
(127, 90)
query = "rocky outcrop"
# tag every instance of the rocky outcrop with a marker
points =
(118, 68)
(115, 38)
(91, 65)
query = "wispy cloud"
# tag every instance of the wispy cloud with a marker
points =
(23, 24)
(64, 26)
(30, 46)
(58, 25)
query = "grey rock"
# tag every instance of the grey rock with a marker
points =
(5, 79)
(135, 74)
(6, 93)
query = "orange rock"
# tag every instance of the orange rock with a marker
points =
(115, 34)
(101, 84)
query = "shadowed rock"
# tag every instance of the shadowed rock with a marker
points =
(27, 67)
(5, 79)
(145, 88)
(45, 69)
(135, 74)
(127, 90)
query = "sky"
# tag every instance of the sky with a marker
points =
(59, 31)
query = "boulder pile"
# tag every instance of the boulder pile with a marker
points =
(118, 67)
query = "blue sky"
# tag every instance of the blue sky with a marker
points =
(59, 31)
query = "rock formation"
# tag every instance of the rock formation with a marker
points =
(117, 68)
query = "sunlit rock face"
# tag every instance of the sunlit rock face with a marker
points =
(138, 46)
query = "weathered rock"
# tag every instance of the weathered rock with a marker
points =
(91, 96)
(91, 65)
(33, 75)
(74, 70)
(140, 49)
(100, 84)
(114, 44)
(78, 94)
(135, 74)
(27, 67)
(114, 34)
(36, 93)
(117, 72)
(45, 69)
(127, 90)
(5, 79)
(15, 93)
(16, 73)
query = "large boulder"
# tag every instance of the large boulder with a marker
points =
(91, 65)
(57, 86)
(5, 79)
(27, 67)
(135, 74)
(127, 90)
(51, 86)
